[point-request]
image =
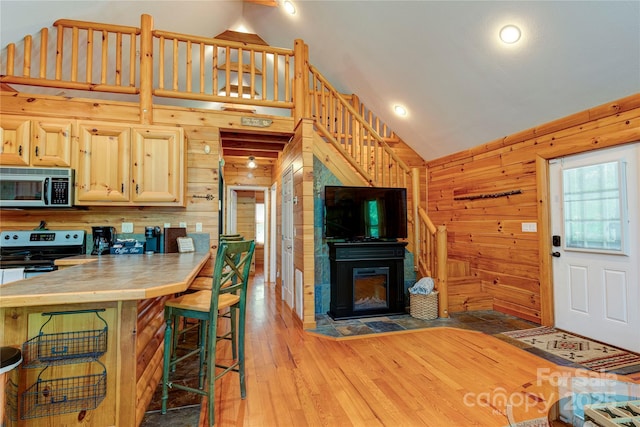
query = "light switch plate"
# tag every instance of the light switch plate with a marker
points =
(127, 227)
(198, 227)
(183, 224)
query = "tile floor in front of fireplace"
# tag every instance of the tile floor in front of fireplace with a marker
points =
(488, 321)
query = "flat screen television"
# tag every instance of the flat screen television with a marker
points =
(365, 213)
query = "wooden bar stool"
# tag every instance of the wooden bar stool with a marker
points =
(229, 290)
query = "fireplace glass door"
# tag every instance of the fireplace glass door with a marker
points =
(370, 288)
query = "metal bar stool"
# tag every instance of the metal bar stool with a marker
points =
(229, 290)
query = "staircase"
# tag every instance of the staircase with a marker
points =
(466, 292)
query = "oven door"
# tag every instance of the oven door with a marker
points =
(8, 275)
(38, 270)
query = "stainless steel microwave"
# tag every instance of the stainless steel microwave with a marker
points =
(26, 187)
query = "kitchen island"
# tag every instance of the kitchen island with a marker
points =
(123, 295)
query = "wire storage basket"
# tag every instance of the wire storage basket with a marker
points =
(423, 306)
(63, 395)
(65, 347)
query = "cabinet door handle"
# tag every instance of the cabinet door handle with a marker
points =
(122, 188)
(20, 150)
(37, 150)
(137, 188)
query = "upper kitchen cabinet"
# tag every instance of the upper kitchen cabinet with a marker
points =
(130, 165)
(158, 165)
(103, 163)
(29, 141)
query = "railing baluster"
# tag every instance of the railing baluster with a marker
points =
(44, 44)
(132, 60)
(119, 59)
(26, 68)
(161, 64)
(189, 64)
(202, 68)
(276, 87)
(59, 47)
(105, 57)
(176, 72)
(89, 58)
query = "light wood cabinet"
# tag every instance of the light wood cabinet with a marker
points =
(30, 141)
(158, 165)
(51, 142)
(103, 163)
(129, 165)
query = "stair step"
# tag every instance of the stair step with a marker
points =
(470, 302)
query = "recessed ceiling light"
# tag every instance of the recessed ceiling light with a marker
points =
(510, 34)
(289, 7)
(400, 110)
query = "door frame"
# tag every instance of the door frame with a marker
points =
(547, 317)
(231, 219)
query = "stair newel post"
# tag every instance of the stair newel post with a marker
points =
(301, 101)
(415, 197)
(441, 280)
(146, 70)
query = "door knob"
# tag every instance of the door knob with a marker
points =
(555, 254)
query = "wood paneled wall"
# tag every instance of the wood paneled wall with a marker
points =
(298, 155)
(515, 266)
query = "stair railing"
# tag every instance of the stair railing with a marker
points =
(364, 148)
(432, 257)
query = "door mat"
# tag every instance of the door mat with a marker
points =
(567, 349)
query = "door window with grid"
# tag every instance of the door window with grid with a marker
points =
(594, 207)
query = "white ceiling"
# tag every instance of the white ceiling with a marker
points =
(440, 58)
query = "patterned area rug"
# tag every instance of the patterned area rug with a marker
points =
(567, 349)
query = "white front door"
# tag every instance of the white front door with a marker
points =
(596, 261)
(287, 238)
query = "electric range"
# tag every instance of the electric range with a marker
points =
(36, 251)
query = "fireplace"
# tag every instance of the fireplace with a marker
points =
(367, 279)
(370, 288)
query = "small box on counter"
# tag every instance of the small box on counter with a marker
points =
(127, 247)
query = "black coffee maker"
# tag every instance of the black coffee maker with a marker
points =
(103, 238)
(152, 235)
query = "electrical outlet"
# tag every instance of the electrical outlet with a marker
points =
(167, 224)
(198, 227)
(127, 227)
(529, 227)
(183, 224)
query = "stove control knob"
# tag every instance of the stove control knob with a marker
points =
(15, 237)
(67, 236)
(7, 237)
(75, 236)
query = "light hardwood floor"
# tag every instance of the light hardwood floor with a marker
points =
(436, 377)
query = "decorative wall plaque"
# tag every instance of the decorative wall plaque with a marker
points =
(256, 122)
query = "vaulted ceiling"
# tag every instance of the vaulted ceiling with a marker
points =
(441, 59)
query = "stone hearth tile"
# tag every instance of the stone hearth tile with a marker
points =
(354, 329)
(384, 326)
(329, 331)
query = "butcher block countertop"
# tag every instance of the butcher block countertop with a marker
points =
(106, 278)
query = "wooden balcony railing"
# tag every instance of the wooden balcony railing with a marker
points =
(121, 60)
